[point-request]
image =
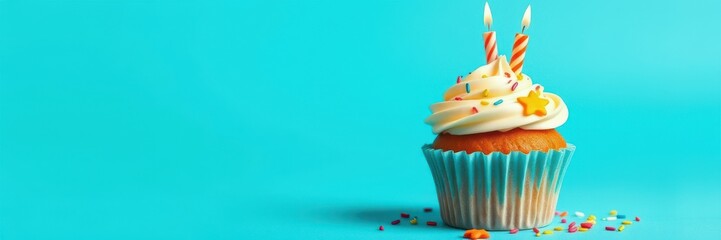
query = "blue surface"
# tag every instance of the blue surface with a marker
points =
(304, 119)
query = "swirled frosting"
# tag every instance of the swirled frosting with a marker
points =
(494, 98)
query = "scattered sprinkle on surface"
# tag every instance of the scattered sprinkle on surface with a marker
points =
(572, 227)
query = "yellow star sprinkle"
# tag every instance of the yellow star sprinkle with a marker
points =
(533, 104)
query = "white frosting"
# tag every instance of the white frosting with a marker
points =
(457, 117)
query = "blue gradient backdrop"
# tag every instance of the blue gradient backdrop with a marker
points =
(304, 119)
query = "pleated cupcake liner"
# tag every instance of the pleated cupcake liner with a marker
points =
(498, 191)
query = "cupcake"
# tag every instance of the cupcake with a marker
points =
(498, 161)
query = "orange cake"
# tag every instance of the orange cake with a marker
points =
(504, 142)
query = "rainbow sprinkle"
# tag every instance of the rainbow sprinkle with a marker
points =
(485, 93)
(468, 88)
(458, 80)
(498, 102)
(513, 88)
(482, 234)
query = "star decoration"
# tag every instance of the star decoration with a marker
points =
(533, 104)
(477, 234)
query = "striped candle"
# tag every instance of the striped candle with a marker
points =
(520, 43)
(519, 52)
(490, 36)
(490, 44)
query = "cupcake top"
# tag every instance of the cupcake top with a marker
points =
(494, 98)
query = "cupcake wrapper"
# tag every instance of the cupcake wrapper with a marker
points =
(498, 191)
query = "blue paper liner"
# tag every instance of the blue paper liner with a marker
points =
(498, 191)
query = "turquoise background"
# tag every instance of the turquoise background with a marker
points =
(304, 119)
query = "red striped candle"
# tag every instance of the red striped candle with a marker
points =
(490, 36)
(519, 52)
(490, 44)
(520, 43)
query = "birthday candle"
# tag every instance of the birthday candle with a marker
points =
(520, 43)
(490, 36)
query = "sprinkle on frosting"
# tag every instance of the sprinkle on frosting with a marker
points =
(474, 110)
(533, 104)
(498, 102)
(489, 86)
(507, 74)
(458, 79)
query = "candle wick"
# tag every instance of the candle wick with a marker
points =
(523, 28)
(489, 27)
